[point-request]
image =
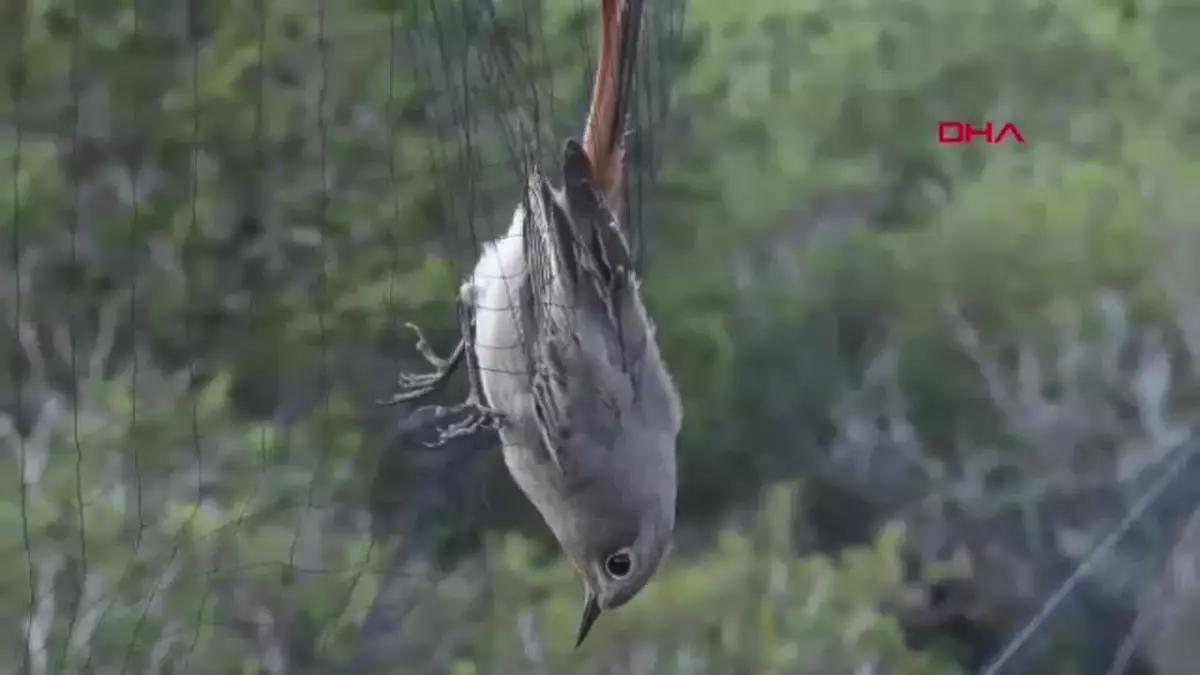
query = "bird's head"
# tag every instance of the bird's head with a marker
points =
(617, 551)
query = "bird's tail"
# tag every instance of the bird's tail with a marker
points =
(612, 95)
(574, 244)
(594, 174)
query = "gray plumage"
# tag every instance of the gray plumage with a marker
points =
(562, 359)
(567, 356)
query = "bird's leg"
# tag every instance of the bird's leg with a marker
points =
(466, 320)
(478, 414)
(413, 386)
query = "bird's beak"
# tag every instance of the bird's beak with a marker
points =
(591, 612)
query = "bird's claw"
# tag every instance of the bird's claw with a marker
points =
(412, 385)
(408, 394)
(424, 349)
(409, 381)
(478, 417)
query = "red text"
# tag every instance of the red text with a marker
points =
(957, 133)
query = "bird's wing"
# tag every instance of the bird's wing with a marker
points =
(607, 258)
(580, 283)
(549, 391)
(551, 262)
(552, 269)
(578, 401)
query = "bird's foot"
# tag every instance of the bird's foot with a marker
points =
(476, 417)
(425, 350)
(412, 385)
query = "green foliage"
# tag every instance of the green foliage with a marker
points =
(749, 605)
(215, 217)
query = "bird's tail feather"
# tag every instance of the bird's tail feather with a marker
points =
(612, 94)
(593, 173)
(573, 241)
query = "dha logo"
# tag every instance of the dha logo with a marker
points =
(965, 133)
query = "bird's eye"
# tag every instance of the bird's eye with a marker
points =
(619, 564)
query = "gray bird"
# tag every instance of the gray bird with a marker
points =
(562, 359)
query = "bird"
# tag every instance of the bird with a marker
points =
(562, 358)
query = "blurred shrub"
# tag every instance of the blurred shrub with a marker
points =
(747, 606)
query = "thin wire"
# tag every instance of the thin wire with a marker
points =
(160, 585)
(462, 115)
(1128, 648)
(467, 153)
(134, 230)
(323, 282)
(246, 511)
(1101, 550)
(74, 84)
(381, 618)
(389, 114)
(1129, 645)
(189, 336)
(18, 88)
